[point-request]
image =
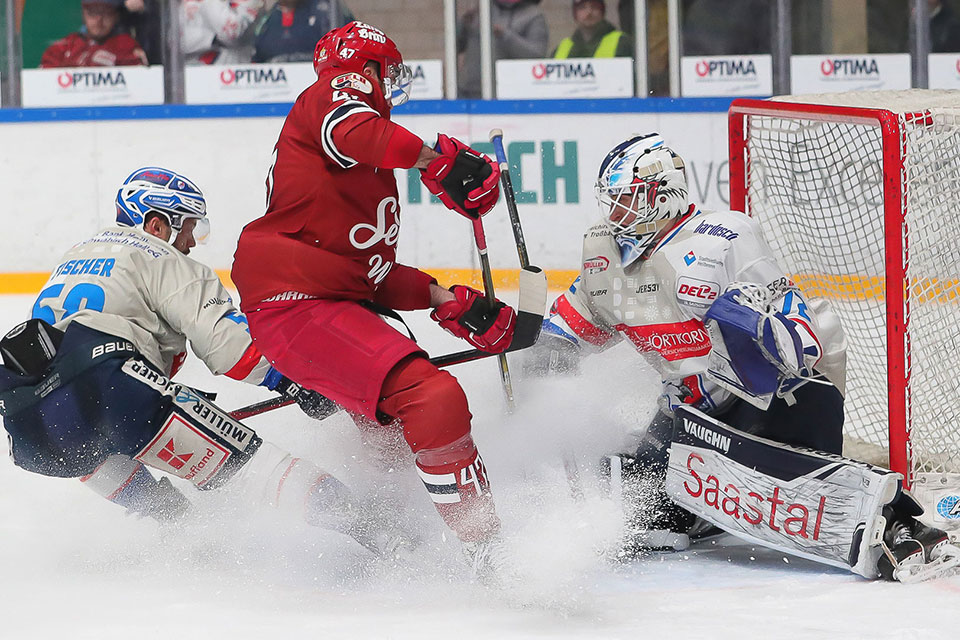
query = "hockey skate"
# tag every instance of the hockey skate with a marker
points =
(914, 552)
(652, 521)
(488, 561)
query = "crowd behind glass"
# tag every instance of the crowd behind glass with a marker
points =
(81, 33)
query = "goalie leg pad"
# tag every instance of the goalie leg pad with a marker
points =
(810, 504)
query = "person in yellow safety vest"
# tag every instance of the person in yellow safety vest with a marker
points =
(595, 37)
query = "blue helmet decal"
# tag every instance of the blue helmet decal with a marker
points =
(157, 190)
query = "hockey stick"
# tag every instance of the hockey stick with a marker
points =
(260, 407)
(496, 138)
(530, 309)
(570, 467)
(481, 240)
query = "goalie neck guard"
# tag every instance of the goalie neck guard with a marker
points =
(641, 189)
(353, 45)
(164, 192)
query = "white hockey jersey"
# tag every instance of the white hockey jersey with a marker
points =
(658, 303)
(128, 283)
(218, 31)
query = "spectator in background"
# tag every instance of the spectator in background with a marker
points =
(218, 31)
(142, 18)
(944, 28)
(519, 31)
(594, 36)
(738, 27)
(100, 43)
(289, 32)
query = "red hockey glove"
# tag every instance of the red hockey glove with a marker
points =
(487, 326)
(465, 180)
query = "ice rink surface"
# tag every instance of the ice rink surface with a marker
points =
(74, 566)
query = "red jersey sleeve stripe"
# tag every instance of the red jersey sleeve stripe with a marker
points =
(331, 120)
(245, 365)
(584, 329)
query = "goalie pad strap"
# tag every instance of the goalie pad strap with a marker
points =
(803, 502)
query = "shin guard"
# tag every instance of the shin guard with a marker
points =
(457, 482)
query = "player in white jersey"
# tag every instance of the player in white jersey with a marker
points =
(702, 298)
(86, 389)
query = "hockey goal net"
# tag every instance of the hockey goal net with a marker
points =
(859, 196)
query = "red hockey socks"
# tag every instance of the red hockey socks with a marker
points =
(432, 409)
(457, 483)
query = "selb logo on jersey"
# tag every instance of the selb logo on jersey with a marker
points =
(379, 266)
(700, 293)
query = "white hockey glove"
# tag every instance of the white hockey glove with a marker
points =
(757, 352)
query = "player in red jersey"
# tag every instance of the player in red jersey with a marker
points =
(314, 268)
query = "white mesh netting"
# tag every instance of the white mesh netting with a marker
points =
(817, 189)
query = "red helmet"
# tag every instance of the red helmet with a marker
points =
(351, 46)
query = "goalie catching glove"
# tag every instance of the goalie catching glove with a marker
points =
(465, 180)
(486, 325)
(757, 352)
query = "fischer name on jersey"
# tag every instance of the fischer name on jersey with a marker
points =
(333, 213)
(658, 303)
(130, 284)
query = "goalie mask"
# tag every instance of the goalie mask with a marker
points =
(169, 194)
(353, 45)
(641, 190)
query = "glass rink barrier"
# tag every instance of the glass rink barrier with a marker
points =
(488, 49)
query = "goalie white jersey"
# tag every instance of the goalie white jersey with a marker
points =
(658, 303)
(128, 283)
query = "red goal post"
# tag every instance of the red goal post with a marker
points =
(859, 194)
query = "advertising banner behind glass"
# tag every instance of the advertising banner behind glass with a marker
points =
(944, 70)
(92, 86)
(568, 78)
(827, 74)
(246, 83)
(726, 75)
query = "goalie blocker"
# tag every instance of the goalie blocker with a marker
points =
(803, 502)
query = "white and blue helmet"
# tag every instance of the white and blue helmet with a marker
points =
(164, 192)
(641, 189)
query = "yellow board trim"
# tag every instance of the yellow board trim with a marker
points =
(850, 287)
(32, 283)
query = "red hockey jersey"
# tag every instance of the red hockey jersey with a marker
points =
(77, 50)
(333, 216)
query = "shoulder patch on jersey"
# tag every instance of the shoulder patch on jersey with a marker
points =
(699, 293)
(352, 81)
(596, 264)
